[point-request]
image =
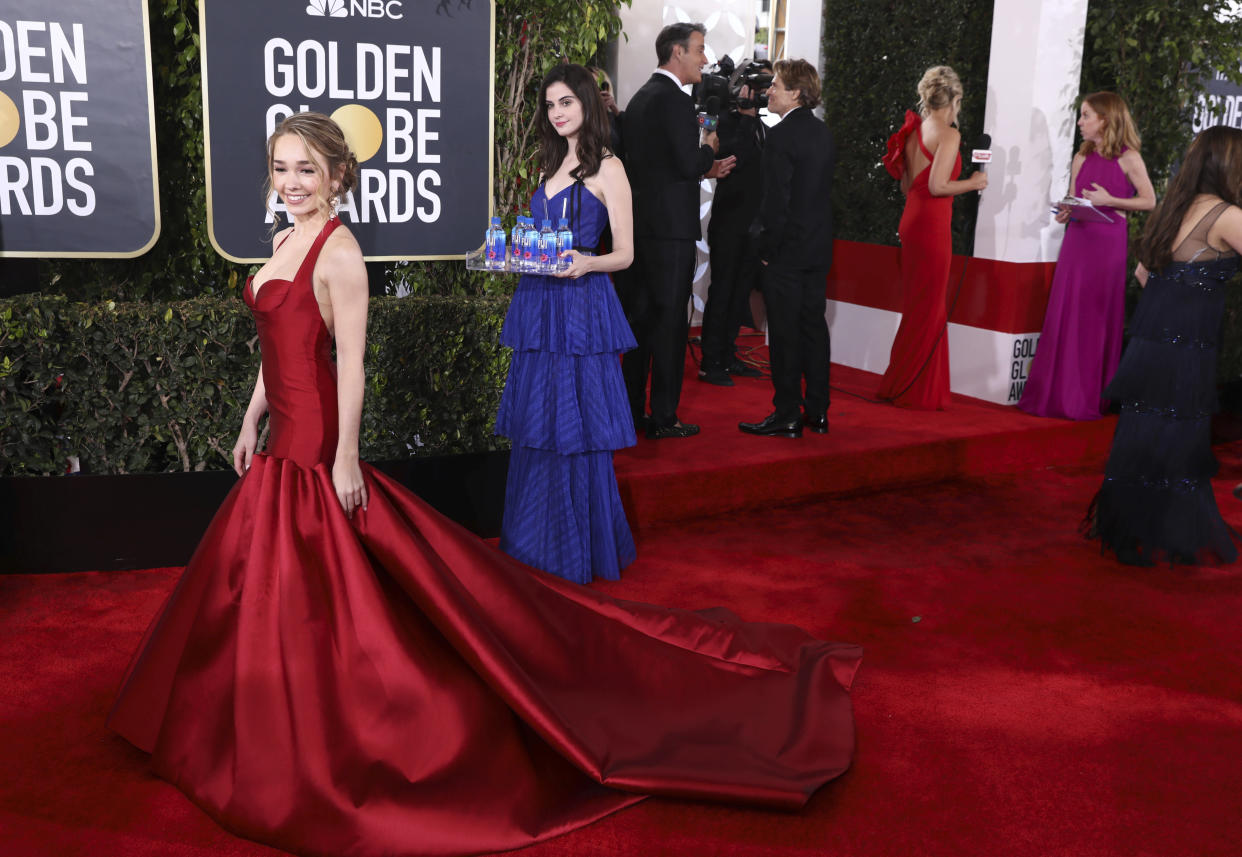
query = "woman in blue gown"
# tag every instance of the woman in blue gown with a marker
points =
(564, 405)
(1156, 503)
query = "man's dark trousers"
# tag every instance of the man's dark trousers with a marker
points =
(658, 292)
(798, 339)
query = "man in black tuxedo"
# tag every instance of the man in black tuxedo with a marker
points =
(795, 249)
(665, 160)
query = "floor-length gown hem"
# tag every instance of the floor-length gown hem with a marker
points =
(388, 684)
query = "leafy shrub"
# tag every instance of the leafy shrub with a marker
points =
(161, 386)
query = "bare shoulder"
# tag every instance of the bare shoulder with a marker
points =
(1130, 159)
(281, 236)
(1227, 228)
(341, 245)
(937, 133)
(1079, 159)
(341, 255)
(1231, 218)
(611, 169)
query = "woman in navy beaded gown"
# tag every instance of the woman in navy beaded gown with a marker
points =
(564, 405)
(1156, 503)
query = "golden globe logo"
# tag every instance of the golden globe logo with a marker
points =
(362, 8)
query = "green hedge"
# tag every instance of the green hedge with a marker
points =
(161, 386)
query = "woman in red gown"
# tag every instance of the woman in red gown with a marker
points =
(341, 671)
(924, 156)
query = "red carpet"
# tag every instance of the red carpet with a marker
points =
(1021, 694)
(870, 447)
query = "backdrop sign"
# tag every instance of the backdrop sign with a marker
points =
(77, 129)
(1220, 104)
(410, 82)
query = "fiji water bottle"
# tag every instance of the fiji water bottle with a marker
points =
(530, 247)
(547, 249)
(496, 245)
(515, 244)
(564, 243)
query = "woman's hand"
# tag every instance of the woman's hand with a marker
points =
(1097, 195)
(350, 489)
(1063, 214)
(243, 450)
(579, 264)
(978, 180)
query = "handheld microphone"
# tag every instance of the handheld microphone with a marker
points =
(710, 117)
(982, 153)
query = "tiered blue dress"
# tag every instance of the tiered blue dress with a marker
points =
(1156, 503)
(565, 410)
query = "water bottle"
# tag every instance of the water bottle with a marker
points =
(530, 247)
(547, 248)
(496, 245)
(515, 245)
(564, 242)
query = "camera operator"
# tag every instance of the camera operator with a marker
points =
(795, 249)
(665, 161)
(732, 244)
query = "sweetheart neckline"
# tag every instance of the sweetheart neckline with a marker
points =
(255, 295)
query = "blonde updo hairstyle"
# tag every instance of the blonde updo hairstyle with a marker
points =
(940, 87)
(320, 135)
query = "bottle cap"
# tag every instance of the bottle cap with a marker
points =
(564, 222)
(495, 221)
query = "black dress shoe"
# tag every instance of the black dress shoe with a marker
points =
(675, 430)
(817, 423)
(742, 370)
(719, 377)
(774, 426)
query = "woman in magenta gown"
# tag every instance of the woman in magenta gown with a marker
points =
(342, 671)
(1081, 341)
(924, 156)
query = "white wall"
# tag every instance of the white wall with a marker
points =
(1033, 78)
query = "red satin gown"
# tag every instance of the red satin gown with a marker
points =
(392, 685)
(918, 366)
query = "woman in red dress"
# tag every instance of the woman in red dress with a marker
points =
(342, 671)
(924, 156)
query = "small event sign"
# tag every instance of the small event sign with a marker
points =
(1221, 104)
(410, 83)
(77, 129)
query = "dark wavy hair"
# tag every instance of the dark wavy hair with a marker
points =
(593, 136)
(1213, 165)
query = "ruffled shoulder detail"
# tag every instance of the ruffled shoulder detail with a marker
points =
(895, 157)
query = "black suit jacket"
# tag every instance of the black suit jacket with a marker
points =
(664, 160)
(735, 204)
(796, 211)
